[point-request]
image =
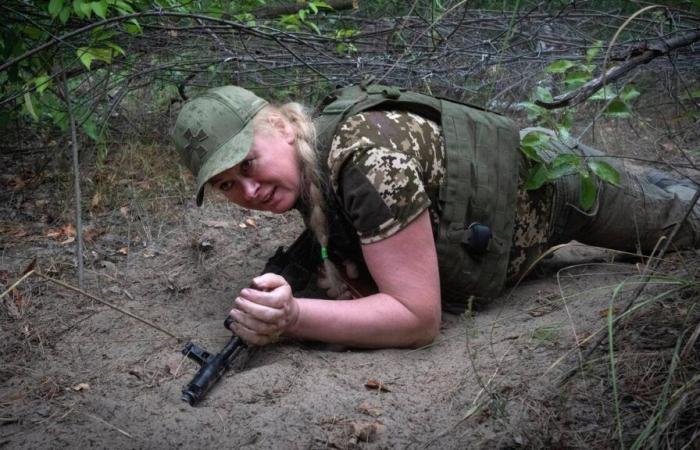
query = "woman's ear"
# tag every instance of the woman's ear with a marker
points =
(284, 128)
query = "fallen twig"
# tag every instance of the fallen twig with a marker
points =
(110, 305)
(104, 422)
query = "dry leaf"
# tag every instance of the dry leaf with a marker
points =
(123, 250)
(95, 202)
(124, 211)
(68, 240)
(242, 225)
(68, 230)
(81, 387)
(19, 232)
(251, 222)
(215, 223)
(366, 431)
(378, 385)
(537, 312)
(30, 267)
(604, 312)
(368, 408)
(90, 234)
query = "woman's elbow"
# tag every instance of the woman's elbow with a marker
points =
(428, 329)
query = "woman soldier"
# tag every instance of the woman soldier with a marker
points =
(426, 194)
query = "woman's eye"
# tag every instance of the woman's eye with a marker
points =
(246, 166)
(225, 185)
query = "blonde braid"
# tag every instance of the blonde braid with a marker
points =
(311, 182)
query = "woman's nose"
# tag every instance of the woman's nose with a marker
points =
(250, 188)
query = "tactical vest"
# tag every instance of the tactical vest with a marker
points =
(477, 199)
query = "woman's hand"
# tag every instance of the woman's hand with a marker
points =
(263, 312)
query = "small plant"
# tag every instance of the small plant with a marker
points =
(295, 22)
(344, 37)
(536, 144)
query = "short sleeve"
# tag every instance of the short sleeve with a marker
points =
(381, 192)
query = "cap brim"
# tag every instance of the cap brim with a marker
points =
(227, 156)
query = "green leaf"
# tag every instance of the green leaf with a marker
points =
(534, 111)
(588, 68)
(42, 82)
(588, 192)
(629, 93)
(320, 4)
(30, 106)
(313, 27)
(116, 48)
(543, 94)
(85, 56)
(133, 27)
(60, 119)
(618, 109)
(567, 120)
(607, 93)
(313, 8)
(55, 7)
(88, 54)
(33, 32)
(123, 7)
(64, 14)
(100, 8)
(302, 14)
(576, 78)
(90, 129)
(535, 138)
(82, 9)
(560, 66)
(592, 52)
(562, 165)
(563, 132)
(537, 177)
(604, 171)
(566, 159)
(533, 145)
(531, 153)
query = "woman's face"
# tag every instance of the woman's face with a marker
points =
(268, 178)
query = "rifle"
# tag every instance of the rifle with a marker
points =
(296, 265)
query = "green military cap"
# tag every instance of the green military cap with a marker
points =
(214, 131)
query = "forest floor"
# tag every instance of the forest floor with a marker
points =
(77, 374)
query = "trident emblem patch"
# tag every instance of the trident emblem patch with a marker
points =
(195, 144)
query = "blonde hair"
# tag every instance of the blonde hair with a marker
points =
(312, 186)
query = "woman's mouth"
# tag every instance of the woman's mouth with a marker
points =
(270, 196)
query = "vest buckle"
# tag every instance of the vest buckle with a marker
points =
(476, 238)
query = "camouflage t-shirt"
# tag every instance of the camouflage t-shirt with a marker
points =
(387, 168)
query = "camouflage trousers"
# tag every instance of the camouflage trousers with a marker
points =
(632, 217)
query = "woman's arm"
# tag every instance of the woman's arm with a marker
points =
(405, 312)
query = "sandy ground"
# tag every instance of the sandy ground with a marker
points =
(77, 374)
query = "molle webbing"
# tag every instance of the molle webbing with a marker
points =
(481, 150)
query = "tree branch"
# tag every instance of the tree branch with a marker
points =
(638, 57)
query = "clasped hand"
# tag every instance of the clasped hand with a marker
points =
(264, 311)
